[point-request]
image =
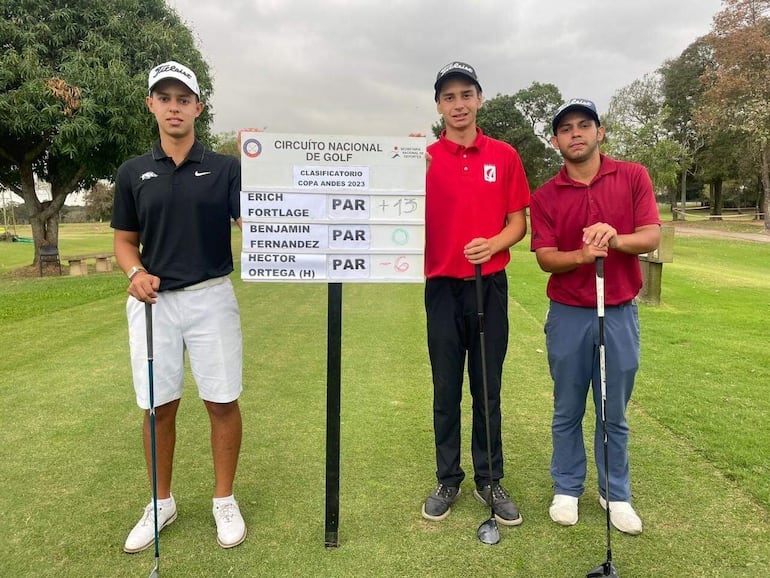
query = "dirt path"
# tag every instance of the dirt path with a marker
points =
(687, 231)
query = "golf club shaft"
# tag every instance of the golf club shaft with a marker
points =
(153, 457)
(484, 383)
(603, 380)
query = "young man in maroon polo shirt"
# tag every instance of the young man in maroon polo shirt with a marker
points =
(594, 207)
(476, 197)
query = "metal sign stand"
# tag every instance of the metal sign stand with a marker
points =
(333, 380)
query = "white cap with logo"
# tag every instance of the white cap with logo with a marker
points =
(172, 69)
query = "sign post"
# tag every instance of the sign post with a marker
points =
(332, 209)
(333, 392)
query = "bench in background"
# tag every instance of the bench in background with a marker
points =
(79, 263)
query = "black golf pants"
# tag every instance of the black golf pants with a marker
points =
(453, 330)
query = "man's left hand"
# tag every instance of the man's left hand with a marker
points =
(601, 235)
(478, 251)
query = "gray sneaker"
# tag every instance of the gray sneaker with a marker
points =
(437, 506)
(506, 510)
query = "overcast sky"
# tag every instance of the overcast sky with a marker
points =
(367, 67)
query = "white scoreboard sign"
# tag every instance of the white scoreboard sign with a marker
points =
(332, 208)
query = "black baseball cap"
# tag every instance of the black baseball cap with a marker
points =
(575, 104)
(455, 69)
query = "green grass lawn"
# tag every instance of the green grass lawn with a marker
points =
(74, 484)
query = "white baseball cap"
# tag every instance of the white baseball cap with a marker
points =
(172, 69)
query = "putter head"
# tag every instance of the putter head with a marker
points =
(488, 532)
(606, 569)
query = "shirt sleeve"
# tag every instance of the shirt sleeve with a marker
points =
(645, 205)
(519, 194)
(542, 234)
(235, 190)
(124, 213)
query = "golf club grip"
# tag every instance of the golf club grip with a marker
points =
(148, 323)
(479, 295)
(600, 287)
(600, 267)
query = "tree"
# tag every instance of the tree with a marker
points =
(98, 201)
(635, 125)
(721, 157)
(500, 118)
(737, 95)
(226, 143)
(73, 77)
(682, 91)
(538, 103)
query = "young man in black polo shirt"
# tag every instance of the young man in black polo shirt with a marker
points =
(172, 216)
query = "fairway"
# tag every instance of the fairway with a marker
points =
(72, 469)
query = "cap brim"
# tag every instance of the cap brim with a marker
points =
(454, 74)
(179, 80)
(574, 108)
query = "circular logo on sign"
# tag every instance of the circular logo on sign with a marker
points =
(400, 236)
(252, 148)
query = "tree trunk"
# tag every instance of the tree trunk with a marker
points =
(766, 183)
(683, 214)
(715, 188)
(43, 215)
(672, 201)
(45, 228)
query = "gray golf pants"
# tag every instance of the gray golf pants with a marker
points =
(572, 340)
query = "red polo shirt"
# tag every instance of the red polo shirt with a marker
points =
(469, 191)
(620, 194)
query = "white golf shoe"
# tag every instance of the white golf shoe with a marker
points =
(564, 510)
(623, 517)
(231, 529)
(142, 536)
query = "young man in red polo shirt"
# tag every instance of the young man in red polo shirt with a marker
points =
(594, 207)
(476, 197)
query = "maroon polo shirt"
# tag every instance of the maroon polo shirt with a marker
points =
(621, 194)
(469, 191)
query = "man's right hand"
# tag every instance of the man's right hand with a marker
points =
(591, 252)
(144, 287)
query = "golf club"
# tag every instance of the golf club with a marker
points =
(153, 460)
(488, 533)
(607, 568)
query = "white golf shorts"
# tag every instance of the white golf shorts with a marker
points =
(205, 321)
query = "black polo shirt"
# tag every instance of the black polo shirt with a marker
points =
(182, 213)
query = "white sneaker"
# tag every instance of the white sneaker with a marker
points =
(143, 534)
(623, 517)
(564, 510)
(231, 529)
